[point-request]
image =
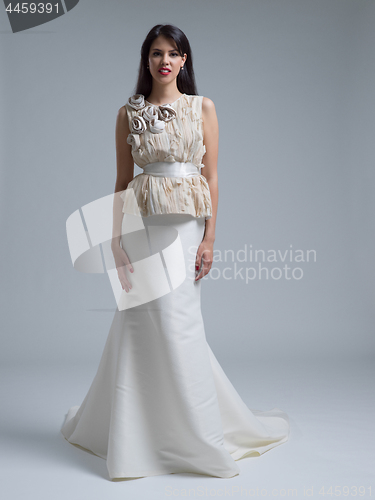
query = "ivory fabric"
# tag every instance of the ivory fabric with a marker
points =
(167, 133)
(179, 190)
(160, 402)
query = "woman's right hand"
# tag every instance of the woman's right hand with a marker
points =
(122, 263)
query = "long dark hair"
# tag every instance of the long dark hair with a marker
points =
(185, 79)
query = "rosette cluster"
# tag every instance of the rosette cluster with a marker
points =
(151, 117)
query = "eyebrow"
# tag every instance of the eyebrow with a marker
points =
(174, 50)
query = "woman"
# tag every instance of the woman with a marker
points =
(160, 402)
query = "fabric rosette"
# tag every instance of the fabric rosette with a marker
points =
(149, 113)
(166, 112)
(134, 141)
(156, 126)
(138, 125)
(151, 116)
(137, 101)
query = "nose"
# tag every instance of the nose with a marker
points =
(165, 60)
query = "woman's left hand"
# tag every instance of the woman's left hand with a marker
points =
(205, 254)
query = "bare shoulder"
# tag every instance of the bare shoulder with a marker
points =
(209, 116)
(122, 113)
(208, 106)
(122, 118)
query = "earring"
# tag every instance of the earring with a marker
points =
(182, 67)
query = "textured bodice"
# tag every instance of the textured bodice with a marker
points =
(162, 135)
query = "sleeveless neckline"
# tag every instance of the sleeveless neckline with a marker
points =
(168, 104)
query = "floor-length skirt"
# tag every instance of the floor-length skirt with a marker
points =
(160, 402)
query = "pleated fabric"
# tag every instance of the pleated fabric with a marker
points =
(160, 402)
(180, 139)
(168, 195)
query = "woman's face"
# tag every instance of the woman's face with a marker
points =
(163, 54)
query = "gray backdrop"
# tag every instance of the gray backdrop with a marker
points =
(292, 82)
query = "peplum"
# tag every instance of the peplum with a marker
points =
(167, 143)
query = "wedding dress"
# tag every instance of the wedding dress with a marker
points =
(160, 403)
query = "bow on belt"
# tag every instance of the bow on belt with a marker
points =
(171, 169)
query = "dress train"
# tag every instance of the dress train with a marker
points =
(160, 402)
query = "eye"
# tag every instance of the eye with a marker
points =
(157, 53)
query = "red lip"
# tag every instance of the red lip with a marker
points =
(164, 69)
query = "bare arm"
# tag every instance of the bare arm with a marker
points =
(125, 171)
(211, 141)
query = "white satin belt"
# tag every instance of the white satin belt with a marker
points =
(171, 169)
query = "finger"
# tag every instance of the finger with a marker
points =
(199, 274)
(130, 267)
(125, 283)
(198, 261)
(205, 269)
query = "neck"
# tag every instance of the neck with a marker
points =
(161, 94)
